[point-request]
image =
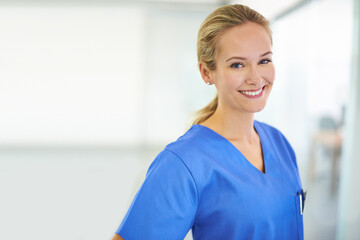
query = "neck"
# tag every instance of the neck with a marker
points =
(232, 124)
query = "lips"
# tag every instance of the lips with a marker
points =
(252, 93)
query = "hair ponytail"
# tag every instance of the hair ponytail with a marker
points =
(207, 111)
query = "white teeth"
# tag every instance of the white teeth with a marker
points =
(252, 93)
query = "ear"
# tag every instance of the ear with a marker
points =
(206, 74)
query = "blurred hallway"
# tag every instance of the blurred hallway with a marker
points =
(90, 93)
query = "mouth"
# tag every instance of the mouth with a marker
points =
(252, 93)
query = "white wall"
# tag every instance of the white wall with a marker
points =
(175, 89)
(70, 75)
(94, 78)
(81, 75)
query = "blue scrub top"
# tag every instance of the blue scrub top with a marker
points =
(204, 183)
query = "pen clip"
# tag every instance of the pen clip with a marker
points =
(301, 204)
(302, 197)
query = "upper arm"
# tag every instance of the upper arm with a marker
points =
(166, 204)
(117, 237)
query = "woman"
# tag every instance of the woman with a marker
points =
(228, 177)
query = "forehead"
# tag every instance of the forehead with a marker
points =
(246, 39)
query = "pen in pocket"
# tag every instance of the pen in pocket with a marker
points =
(302, 197)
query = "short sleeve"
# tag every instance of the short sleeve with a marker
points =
(165, 205)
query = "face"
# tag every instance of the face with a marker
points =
(244, 72)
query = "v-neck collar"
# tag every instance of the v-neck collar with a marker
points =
(264, 151)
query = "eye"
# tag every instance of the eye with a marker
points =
(265, 61)
(236, 65)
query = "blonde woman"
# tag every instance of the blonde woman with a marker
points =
(229, 176)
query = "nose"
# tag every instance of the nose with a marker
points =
(253, 76)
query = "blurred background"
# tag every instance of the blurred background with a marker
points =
(91, 91)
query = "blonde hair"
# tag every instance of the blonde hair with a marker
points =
(209, 34)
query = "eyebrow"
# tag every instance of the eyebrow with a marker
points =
(243, 58)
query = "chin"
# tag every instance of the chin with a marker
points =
(255, 109)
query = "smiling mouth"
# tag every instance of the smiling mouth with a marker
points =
(253, 93)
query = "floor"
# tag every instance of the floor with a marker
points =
(81, 194)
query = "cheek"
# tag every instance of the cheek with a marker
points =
(233, 79)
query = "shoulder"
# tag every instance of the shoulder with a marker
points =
(198, 150)
(180, 151)
(192, 142)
